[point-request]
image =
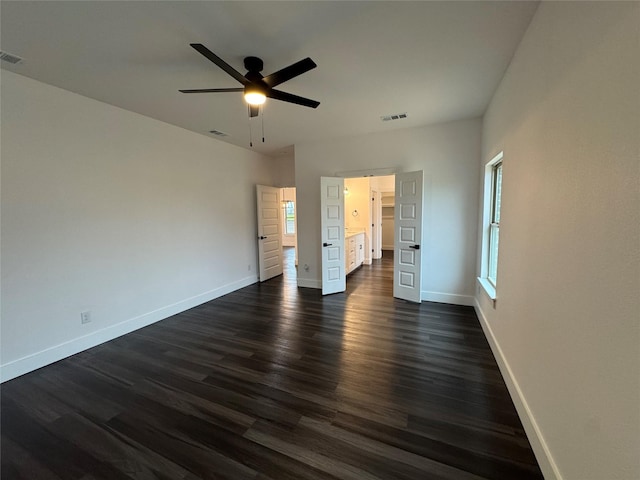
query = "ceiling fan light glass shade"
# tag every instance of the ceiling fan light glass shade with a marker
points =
(254, 97)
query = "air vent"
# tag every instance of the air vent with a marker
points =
(7, 57)
(395, 116)
(218, 133)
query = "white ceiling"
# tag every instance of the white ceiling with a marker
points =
(437, 61)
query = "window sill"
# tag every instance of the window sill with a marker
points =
(489, 289)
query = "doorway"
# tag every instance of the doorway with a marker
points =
(289, 267)
(277, 232)
(289, 216)
(366, 213)
(347, 229)
(289, 234)
(368, 222)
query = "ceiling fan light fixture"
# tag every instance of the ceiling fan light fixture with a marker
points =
(254, 97)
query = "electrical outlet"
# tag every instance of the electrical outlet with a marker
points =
(249, 267)
(85, 317)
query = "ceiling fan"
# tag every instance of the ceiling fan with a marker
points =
(257, 88)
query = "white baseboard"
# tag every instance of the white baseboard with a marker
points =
(309, 283)
(50, 355)
(540, 449)
(451, 298)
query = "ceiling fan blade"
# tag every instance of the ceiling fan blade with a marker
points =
(288, 97)
(219, 62)
(253, 110)
(289, 72)
(212, 90)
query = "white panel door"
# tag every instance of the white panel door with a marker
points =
(407, 282)
(269, 234)
(332, 237)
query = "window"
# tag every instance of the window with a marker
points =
(289, 218)
(488, 278)
(494, 226)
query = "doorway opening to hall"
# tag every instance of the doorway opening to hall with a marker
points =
(289, 229)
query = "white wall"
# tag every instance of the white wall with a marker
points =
(388, 228)
(448, 155)
(566, 325)
(284, 170)
(385, 183)
(357, 200)
(109, 211)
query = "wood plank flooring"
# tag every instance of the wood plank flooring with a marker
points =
(275, 382)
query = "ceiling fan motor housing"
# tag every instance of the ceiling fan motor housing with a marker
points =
(253, 64)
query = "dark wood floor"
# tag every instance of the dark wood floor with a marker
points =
(275, 382)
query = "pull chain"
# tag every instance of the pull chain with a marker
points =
(262, 111)
(250, 135)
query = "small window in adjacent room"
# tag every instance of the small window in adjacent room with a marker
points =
(491, 226)
(289, 218)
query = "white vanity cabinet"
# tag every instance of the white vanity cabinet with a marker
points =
(354, 246)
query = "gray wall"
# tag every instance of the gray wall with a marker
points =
(566, 324)
(107, 211)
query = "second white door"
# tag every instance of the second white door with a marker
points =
(407, 281)
(332, 236)
(269, 232)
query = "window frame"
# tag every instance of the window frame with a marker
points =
(488, 211)
(284, 217)
(494, 224)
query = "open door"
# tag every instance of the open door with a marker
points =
(407, 281)
(332, 237)
(269, 234)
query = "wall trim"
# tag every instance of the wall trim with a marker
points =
(425, 296)
(540, 448)
(53, 354)
(369, 172)
(309, 283)
(452, 298)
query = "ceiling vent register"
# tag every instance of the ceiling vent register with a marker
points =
(218, 133)
(395, 116)
(7, 57)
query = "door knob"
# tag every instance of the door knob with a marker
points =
(415, 247)
(327, 244)
(261, 237)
